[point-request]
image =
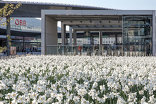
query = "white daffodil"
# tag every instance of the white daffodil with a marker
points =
(82, 92)
(121, 101)
(66, 79)
(152, 100)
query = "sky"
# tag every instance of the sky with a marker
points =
(114, 4)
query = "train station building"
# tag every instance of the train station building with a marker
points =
(91, 30)
(136, 29)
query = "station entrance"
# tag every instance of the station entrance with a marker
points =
(116, 35)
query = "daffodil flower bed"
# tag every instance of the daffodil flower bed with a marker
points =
(78, 80)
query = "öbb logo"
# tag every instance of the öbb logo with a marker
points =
(20, 22)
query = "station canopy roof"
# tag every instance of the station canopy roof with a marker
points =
(33, 9)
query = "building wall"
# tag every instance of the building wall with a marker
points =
(49, 35)
(154, 33)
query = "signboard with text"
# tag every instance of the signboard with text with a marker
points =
(20, 22)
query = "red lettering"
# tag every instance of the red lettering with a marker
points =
(24, 23)
(20, 22)
(17, 21)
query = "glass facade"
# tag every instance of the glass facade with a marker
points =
(137, 34)
(23, 24)
(25, 35)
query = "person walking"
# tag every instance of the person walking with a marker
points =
(148, 50)
(80, 48)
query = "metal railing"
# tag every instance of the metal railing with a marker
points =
(92, 50)
(89, 50)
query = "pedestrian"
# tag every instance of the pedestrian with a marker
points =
(80, 48)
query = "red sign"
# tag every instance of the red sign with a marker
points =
(20, 22)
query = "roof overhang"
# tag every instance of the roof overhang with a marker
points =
(100, 20)
(76, 13)
(33, 9)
